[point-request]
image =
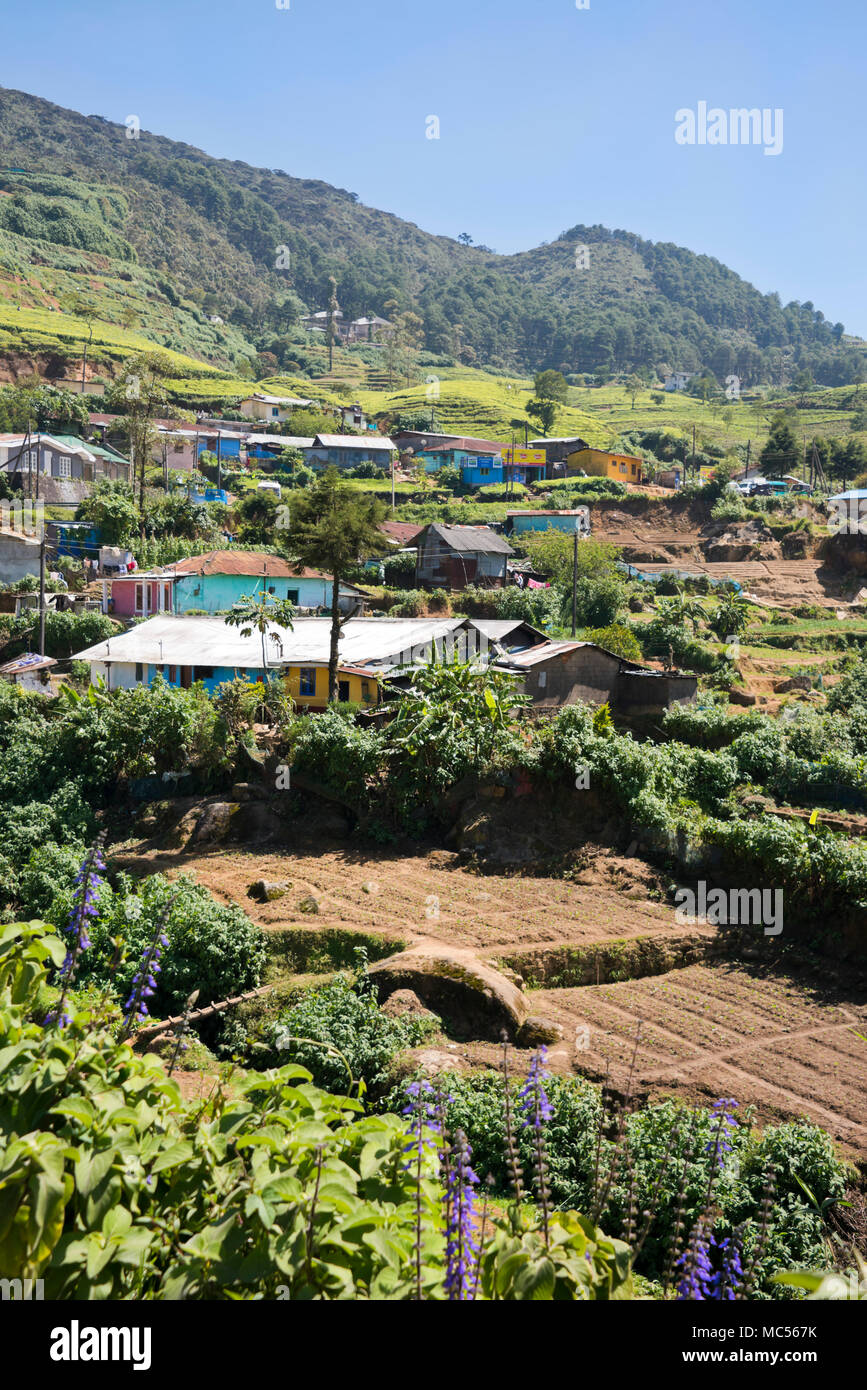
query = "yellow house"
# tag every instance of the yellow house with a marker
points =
(308, 685)
(625, 468)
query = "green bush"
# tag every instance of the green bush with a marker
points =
(213, 948)
(345, 1016)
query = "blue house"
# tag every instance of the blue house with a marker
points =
(578, 519)
(476, 469)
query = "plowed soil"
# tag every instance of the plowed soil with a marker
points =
(788, 1047)
(726, 1030)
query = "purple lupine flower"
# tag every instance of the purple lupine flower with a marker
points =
(723, 1125)
(729, 1277)
(84, 909)
(695, 1265)
(462, 1242)
(711, 1269)
(533, 1102)
(421, 1111)
(144, 983)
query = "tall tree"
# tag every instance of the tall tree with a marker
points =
(140, 391)
(781, 453)
(550, 386)
(333, 308)
(334, 526)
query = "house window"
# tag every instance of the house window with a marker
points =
(292, 595)
(65, 465)
(172, 674)
(307, 684)
(365, 692)
(343, 691)
(167, 595)
(484, 472)
(271, 589)
(623, 467)
(275, 411)
(204, 673)
(139, 598)
(542, 680)
(139, 671)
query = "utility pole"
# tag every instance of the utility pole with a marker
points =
(694, 466)
(84, 361)
(42, 592)
(575, 580)
(749, 452)
(219, 459)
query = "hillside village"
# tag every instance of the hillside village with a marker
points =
(421, 718)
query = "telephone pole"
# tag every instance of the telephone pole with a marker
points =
(575, 580)
(42, 592)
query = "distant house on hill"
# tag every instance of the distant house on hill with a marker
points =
(216, 581)
(598, 463)
(677, 381)
(451, 557)
(58, 469)
(348, 450)
(262, 407)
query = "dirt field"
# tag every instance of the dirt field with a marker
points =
(726, 1030)
(788, 1046)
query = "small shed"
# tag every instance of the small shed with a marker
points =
(452, 557)
(568, 673)
(30, 671)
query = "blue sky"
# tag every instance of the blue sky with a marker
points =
(549, 115)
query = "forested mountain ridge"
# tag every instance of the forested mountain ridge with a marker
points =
(175, 231)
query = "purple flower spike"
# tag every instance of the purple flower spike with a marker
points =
(533, 1102)
(462, 1240)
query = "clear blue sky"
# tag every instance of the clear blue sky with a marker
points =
(549, 115)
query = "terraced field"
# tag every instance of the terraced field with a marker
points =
(706, 1025)
(727, 1029)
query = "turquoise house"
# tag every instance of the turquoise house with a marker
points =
(578, 519)
(476, 469)
(215, 582)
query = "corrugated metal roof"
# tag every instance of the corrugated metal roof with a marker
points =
(471, 538)
(543, 652)
(353, 441)
(285, 441)
(207, 641)
(28, 661)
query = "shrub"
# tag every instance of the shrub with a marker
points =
(213, 948)
(346, 1017)
(617, 639)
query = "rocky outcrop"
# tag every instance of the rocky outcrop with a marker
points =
(474, 998)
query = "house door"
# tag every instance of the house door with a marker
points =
(186, 677)
(343, 690)
(461, 570)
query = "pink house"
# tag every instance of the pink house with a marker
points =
(138, 595)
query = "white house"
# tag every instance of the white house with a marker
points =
(262, 407)
(677, 381)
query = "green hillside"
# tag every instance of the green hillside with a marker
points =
(158, 236)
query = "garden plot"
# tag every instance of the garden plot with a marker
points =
(427, 896)
(724, 1030)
